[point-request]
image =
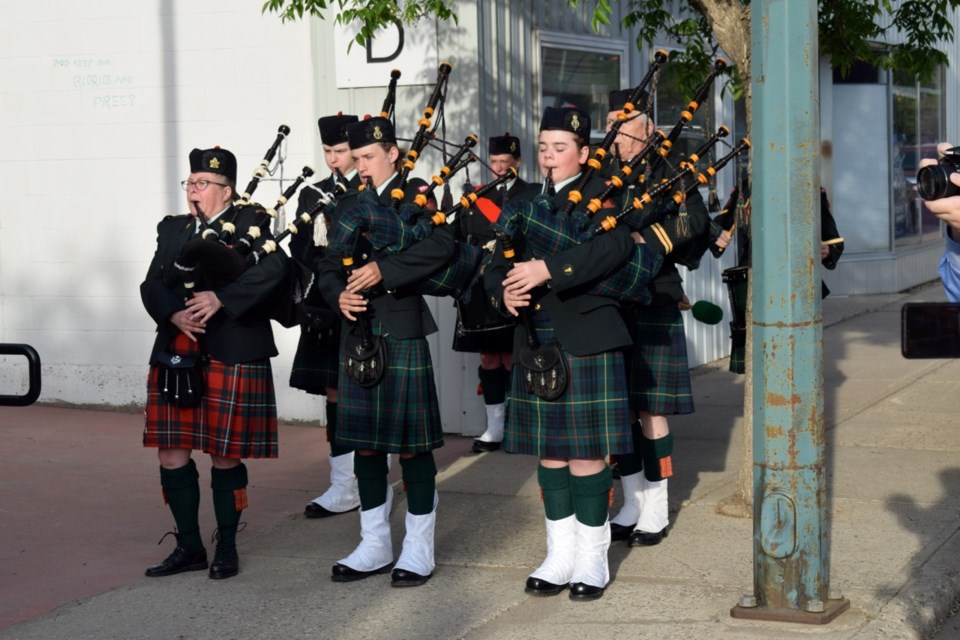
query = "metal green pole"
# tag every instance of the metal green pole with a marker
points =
(790, 550)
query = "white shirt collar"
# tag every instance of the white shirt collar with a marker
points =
(560, 185)
(386, 183)
(210, 220)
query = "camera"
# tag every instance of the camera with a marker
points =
(933, 182)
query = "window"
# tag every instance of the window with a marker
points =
(670, 100)
(917, 117)
(581, 71)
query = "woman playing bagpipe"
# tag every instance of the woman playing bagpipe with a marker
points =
(571, 427)
(492, 340)
(659, 374)
(396, 410)
(224, 405)
(316, 363)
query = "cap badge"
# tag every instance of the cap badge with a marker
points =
(214, 163)
(513, 147)
(377, 134)
(575, 122)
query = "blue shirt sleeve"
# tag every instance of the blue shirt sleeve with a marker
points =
(950, 270)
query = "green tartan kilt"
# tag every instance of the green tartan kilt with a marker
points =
(590, 420)
(316, 364)
(401, 414)
(659, 370)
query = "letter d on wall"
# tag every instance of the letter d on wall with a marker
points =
(413, 50)
(376, 42)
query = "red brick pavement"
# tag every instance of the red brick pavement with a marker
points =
(80, 503)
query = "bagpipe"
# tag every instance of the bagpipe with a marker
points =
(634, 213)
(219, 261)
(391, 229)
(547, 232)
(390, 102)
(690, 253)
(596, 162)
(421, 138)
(264, 167)
(266, 217)
(663, 151)
(658, 147)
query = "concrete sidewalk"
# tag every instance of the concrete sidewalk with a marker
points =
(892, 473)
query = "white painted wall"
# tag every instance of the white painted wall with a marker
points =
(102, 102)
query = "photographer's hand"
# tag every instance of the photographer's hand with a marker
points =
(947, 209)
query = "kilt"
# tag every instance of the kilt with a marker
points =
(659, 370)
(401, 414)
(316, 364)
(237, 416)
(590, 420)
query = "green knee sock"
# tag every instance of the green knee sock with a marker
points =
(555, 491)
(657, 457)
(371, 472)
(420, 480)
(591, 497)
(181, 492)
(229, 500)
(335, 449)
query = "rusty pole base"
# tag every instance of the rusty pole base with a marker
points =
(832, 609)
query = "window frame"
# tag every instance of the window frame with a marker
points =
(579, 42)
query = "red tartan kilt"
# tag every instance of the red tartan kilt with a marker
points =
(237, 417)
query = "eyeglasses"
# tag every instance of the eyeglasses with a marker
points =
(199, 185)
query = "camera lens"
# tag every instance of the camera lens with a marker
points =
(933, 182)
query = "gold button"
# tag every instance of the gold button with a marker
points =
(568, 269)
(536, 307)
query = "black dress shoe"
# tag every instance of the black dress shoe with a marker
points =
(582, 591)
(226, 562)
(644, 539)
(620, 531)
(179, 561)
(313, 510)
(343, 573)
(404, 578)
(540, 587)
(481, 446)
